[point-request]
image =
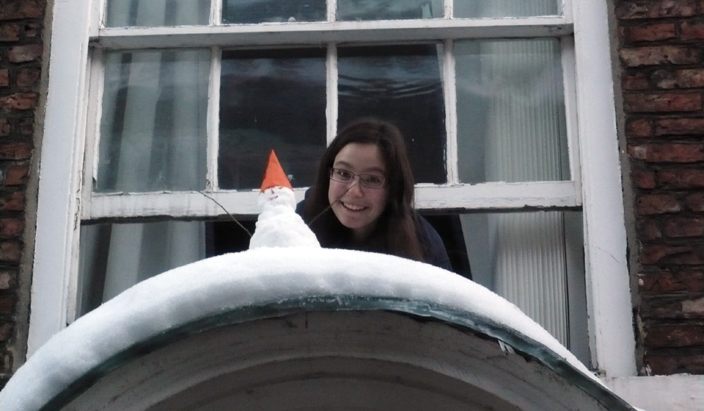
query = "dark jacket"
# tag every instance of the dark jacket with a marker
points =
(433, 248)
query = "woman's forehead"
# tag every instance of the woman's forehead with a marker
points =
(361, 157)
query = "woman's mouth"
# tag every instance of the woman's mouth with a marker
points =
(352, 207)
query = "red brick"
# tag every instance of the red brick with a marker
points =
(650, 56)
(664, 79)
(6, 330)
(643, 178)
(675, 153)
(648, 230)
(681, 178)
(692, 31)
(32, 30)
(639, 128)
(671, 308)
(669, 282)
(20, 9)
(669, 102)
(690, 78)
(15, 151)
(679, 126)
(7, 304)
(11, 227)
(652, 254)
(16, 174)
(14, 201)
(19, 101)
(4, 78)
(681, 227)
(651, 204)
(651, 32)
(23, 54)
(695, 202)
(9, 32)
(635, 81)
(10, 251)
(8, 280)
(643, 9)
(5, 127)
(28, 77)
(667, 364)
(661, 336)
(26, 126)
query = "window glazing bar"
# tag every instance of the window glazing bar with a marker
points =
(316, 33)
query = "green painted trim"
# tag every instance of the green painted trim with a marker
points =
(429, 311)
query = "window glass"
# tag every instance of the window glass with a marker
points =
(156, 13)
(506, 8)
(261, 11)
(114, 257)
(271, 99)
(535, 260)
(153, 127)
(510, 111)
(388, 9)
(400, 84)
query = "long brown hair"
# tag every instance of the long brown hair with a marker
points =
(396, 231)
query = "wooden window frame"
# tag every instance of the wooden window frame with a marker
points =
(75, 78)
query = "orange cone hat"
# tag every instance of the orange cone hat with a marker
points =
(274, 175)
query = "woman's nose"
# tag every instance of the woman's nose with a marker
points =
(355, 187)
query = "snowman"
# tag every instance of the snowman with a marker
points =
(278, 224)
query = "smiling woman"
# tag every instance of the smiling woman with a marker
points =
(363, 196)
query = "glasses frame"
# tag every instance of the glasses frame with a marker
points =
(362, 178)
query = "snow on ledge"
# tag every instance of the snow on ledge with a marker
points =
(255, 277)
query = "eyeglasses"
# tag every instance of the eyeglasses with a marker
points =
(366, 180)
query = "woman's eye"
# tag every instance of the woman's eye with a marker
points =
(373, 179)
(344, 174)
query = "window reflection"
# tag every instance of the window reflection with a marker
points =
(157, 13)
(153, 127)
(271, 99)
(388, 9)
(510, 111)
(400, 84)
(506, 8)
(267, 11)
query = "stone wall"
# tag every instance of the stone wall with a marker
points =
(661, 52)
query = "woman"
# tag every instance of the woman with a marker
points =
(363, 196)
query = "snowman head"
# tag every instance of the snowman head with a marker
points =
(276, 190)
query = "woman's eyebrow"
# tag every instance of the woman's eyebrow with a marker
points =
(341, 163)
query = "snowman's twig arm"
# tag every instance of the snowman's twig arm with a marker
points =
(310, 224)
(228, 213)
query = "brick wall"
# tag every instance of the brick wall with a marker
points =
(661, 52)
(21, 48)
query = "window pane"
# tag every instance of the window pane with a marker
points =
(114, 257)
(153, 127)
(388, 9)
(260, 11)
(400, 84)
(156, 13)
(510, 111)
(271, 99)
(534, 260)
(506, 8)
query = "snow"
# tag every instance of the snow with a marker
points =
(285, 262)
(258, 276)
(278, 224)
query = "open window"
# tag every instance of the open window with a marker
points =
(184, 99)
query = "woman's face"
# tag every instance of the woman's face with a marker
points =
(358, 207)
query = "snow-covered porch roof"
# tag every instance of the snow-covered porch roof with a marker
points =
(306, 317)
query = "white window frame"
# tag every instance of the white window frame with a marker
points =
(63, 202)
